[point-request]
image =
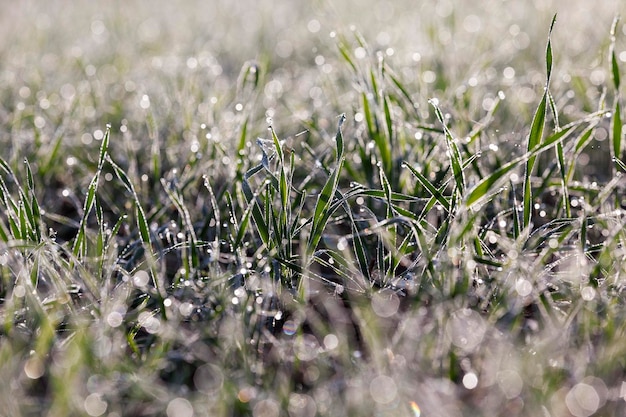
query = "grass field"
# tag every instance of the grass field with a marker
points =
(269, 209)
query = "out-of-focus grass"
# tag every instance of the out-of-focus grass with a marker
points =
(250, 208)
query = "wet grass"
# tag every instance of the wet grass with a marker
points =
(306, 218)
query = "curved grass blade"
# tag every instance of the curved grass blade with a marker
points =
(79, 246)
(536, 132)
(441, 199)
(216, 216)
(534, 138)
(192, 260)
(257, 214)
(34, 217)
(243, 224)
(343, 50)
(456, 161)
(613, 57)
(484, 187)
(144, 233)
(616, 130)
(322, 211)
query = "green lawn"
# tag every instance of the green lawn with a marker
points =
(269, 209)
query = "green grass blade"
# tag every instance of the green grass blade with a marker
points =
(104, 147)
(583, 140)
(79, 246)
(563, 176)
(613, 57)
(616, 131)
(456, 161)
(23, 230)
(51, 158)
(486, 185)
(555, 111)
(517, 230)
(243, 224)
(321, 213)
(216, 216)
(549, 52)
(538, 123)
(177, 199)
(6, 168)
(4, 234)
(536, 132)
(343, 50)
(257, 214)
(441, 199)
(534, 138)
(339, 139)
(35, 211)
(144, 232)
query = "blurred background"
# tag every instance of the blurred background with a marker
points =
(112, 62)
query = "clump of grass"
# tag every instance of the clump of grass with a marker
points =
(394, 260)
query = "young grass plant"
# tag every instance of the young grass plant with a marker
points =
(421, 264)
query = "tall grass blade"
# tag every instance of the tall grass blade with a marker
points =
(563, 176)
(177, 199)
(486, 185)
(216, 216)
(243, 224)
(616, 131)
(534, 138)
(321, 213)
(257, 214)
(144, 233)
(343, 50)
(613, 57)
(35, 211)
(79, 247)
(454, 154)
(583, 140)
(536, 132)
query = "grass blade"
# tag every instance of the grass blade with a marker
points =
(441, 199)
(79, 246)
(485, 186)
(613, 57)
(616, 131)
(144, 232)
(321, 213)
(35, 211)
(536, 132)
(456, 161)
(534, 138)
(257, 214)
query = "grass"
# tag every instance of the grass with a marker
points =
(422, 214)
